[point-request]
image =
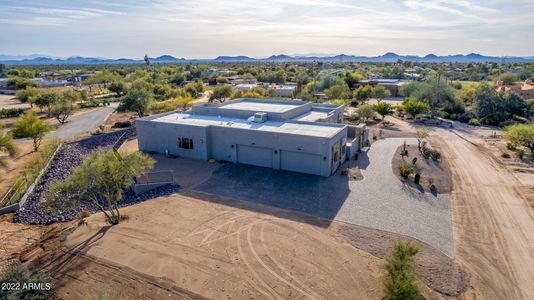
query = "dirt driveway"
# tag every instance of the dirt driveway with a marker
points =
(493, 224)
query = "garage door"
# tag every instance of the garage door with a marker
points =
(300, 162)
(257, 156)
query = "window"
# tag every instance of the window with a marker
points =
(185, 143)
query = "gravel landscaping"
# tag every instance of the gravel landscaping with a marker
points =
(68, 157)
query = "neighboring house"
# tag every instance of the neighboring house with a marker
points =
(46, 83)
(290, 135)
(48, 74)
(3, 88)
(412, 75)
(526, 90)
(393, 85)
(78, 79)
(284, 90)
(243, 87)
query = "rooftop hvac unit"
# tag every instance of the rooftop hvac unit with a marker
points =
(260, 117)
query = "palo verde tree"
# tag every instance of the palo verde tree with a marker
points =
(62, 109)
(220, 93)
(365, 111)
(100, 182)
(379, 92)
(137, 100)
(6, 145)
(27, 95)
(383, 109)
(521, 135)
(29, 125)
(414, 107)
(47, 99)
(118, 87)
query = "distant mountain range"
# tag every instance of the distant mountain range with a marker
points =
(388, 57)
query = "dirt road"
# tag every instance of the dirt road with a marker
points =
(493, 224)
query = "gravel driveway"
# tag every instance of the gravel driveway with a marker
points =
(378, 201)
(381, 201)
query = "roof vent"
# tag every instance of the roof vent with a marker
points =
(260, 117)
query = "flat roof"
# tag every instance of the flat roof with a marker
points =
(311, 116)
(316, 130)
(260, 106)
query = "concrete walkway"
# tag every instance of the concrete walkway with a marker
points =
(381, 201)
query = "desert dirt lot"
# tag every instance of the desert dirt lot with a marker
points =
(180, 247)
(221, 252)
(9, 101)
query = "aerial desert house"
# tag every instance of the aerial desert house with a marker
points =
(289, 135)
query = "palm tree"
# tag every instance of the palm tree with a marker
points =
(6, 144)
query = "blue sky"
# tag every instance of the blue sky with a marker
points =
(208, 28)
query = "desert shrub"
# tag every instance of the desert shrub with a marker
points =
(521, 153)
(124, 124)
(505, 155)
(511, 146)
(507, 123)
(466, 117)
(90, 104)
(401, 281)
(435, 154)
(406, 170)
(495, 119)
(474, 122)
(11, 112)
(41, 284)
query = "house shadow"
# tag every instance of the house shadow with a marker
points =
(362, 162)
(300, 197)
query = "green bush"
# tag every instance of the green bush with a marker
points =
(401, 282)
(91, 104)
(474, 122)
(20, 279)
(511, 146)
(406, 170)
(11, 112)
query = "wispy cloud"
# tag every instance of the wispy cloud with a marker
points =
(49, 16)
(204, 28)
